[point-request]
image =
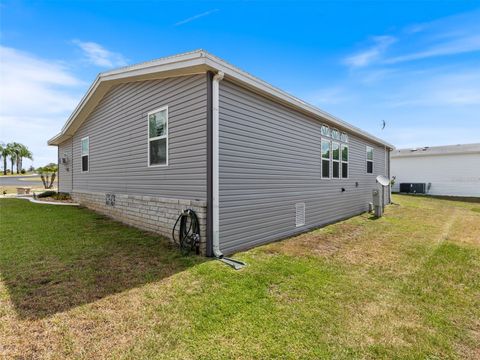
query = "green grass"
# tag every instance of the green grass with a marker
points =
(74, 284)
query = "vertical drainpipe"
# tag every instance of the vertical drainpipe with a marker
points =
(389, 174)
(215, 164)
(209, 165)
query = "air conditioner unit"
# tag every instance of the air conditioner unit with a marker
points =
(413, 188)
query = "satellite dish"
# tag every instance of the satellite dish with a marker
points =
(382, 180)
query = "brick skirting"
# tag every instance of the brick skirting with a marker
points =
(151, 213)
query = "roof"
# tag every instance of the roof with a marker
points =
(194, 62)
(437, 150)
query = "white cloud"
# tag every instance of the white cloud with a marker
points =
(459, 45)
(36, 97)
(438, 88)
(448, 36)
(97, 55)
(373, 53)
(195, 17)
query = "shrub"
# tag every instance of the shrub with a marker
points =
(55, 195)
(62, 196)
(47, 194)
(23, 171)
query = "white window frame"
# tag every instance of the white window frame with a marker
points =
(328, 131)
(329, 160)
(344, 162)
(339, 161)
(367, 160)
(336, 134)
(87, 154)
(157, 137)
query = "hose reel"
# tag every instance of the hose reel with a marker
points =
(188, 232)
(189, 237)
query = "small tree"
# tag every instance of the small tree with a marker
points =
(48, 174)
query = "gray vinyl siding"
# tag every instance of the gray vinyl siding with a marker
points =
(118, 131)
(65, 170)
(270, 160)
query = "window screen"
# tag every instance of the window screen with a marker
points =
(369, 160)
(158, 137)
(326, 159)
(85, 152)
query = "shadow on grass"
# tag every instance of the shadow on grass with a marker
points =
(54, 258)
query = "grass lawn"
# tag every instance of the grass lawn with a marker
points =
(74, 284)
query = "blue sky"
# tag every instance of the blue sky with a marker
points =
(415, 65)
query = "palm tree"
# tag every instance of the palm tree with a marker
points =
(12, 152)
(23, 153)
(4, 152)
(17, 148)
(48, 174)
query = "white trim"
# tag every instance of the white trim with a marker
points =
(345, 162)
(322, 159)
(190, 63)
(339, 161)
(339, 134)
(215, 165)
(82, 154)
(367, 147)
(31, 199)
(163, 108)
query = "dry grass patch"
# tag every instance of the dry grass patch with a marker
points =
(404, 286)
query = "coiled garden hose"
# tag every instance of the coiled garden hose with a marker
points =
(188, 233)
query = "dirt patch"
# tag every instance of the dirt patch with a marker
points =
(321, 242)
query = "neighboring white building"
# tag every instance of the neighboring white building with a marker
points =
(452, 170)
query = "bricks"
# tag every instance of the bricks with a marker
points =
(151, 213)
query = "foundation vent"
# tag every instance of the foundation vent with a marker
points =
(299, 214)
(110, 199)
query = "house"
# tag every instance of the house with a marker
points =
(452, 170)
(193, 131)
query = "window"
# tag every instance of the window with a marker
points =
(335, 134)
(344, 161)
(325, 131)
(85, 143)
(158, 137)
(369, 160)
(336, 160)
(325, 159)
(334, 152)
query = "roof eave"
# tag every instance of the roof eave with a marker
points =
(255, 83)
(190, 63)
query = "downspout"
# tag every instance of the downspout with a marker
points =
(215, 175)
(215, 163)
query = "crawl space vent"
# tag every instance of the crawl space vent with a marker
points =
(299, 214)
